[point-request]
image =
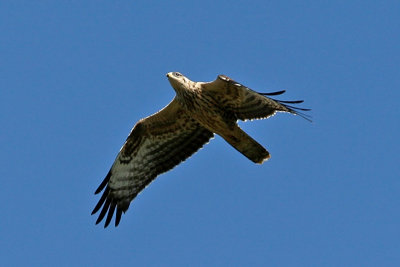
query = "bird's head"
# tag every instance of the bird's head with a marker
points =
(178, 81)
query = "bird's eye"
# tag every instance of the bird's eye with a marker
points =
(177, 74)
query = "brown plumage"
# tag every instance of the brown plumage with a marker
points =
(161, 141)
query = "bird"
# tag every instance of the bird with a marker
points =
(163, 140)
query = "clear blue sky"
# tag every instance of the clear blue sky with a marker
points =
(75, 76)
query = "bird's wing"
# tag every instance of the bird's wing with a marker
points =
(155, 145)
(247, 104)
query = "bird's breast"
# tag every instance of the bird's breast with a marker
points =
(209, 114)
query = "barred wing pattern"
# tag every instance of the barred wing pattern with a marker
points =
(155, 145)
(247, 104)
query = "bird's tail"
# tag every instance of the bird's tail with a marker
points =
(246, 145)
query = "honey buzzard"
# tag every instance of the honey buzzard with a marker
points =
(161, 141)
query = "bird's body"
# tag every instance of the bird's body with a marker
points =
(161, 141)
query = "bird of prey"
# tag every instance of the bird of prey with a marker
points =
(161, 141)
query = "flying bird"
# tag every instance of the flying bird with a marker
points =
(161, 141)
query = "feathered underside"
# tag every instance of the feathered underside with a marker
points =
(155, 145)
(247, 104)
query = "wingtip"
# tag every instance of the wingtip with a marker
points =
(304, 116)
(104, 210)
(272, 93)
(98, 221)
(110, 213)
(103, 183)
(295, 110)
(118, 216)
(98, 190)
(101, 201)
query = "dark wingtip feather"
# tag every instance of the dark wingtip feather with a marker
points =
(292, 109)
(273, 93)
(104, 211)
(118, 216)
(304, 116)
(295, 110)
(103, 183)
(110, 214)
(291, 102)
(101, 201)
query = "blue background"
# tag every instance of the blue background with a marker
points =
(75, 76)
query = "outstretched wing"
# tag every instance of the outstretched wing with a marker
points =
(247, 104)
(155, 145)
